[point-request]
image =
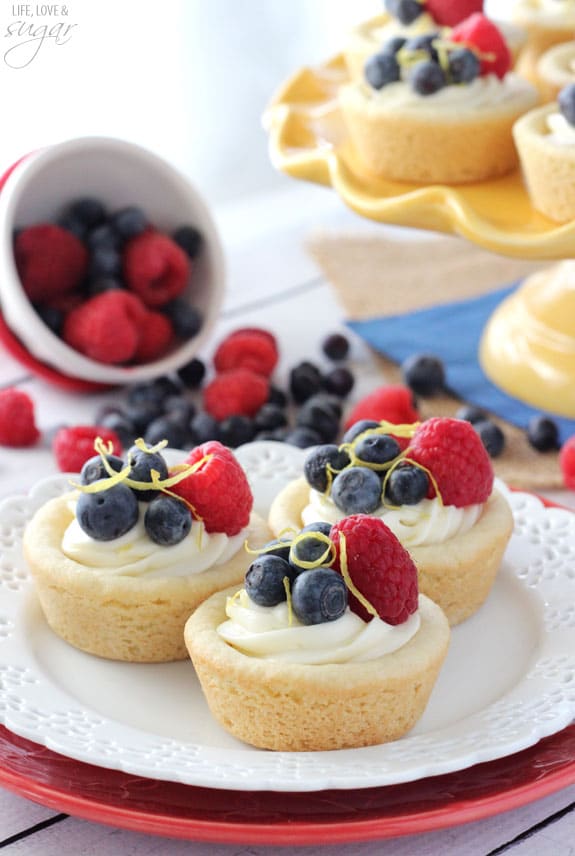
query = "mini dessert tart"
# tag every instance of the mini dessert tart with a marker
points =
(407, 20)
(120, 562)
(432, 484)
(546, 23)
(438, 109)
(545, 140)
(556, 70)
(327, 646)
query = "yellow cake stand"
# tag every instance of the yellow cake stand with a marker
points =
(532, 358)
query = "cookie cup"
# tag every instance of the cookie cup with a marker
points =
(457, 574)
(548, 168)
(436, 143)
(556, 69)
(540, 38)
(127, 618)
(292, 707)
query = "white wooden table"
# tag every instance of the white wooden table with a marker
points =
(272, 283)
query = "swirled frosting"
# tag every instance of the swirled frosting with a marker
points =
(134, 554)
(485, 92)
(427, 522)
(267, 633)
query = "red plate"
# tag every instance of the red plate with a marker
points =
(236, 817)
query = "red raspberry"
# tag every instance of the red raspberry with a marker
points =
(567, 462)
(238, 391)
(448, 14)
(73, 446)
(481, 35)
(452, 451)
(380, 568)
(218, 491)
(156, 336)
(50, 261)
(156, 268)
(17, 423)
(248, 348)
(107, 327)
(393, 403)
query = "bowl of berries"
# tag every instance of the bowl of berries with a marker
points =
(111, 268)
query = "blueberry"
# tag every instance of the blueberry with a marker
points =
(146, 393)
(94, 470)
(406, 485)
(424, 374)
(328, 402)
(317, 462)
(264, 581)
(319, 526)
(356, 490)
(72, 224)
(427, 77)
(339, 381)
(107, 514)
(381, 69)
(302, 437)
(308, 548)
(141, 465)
(270, 416)
(278, 547)
(543, 434)
(104, 262)
(122, 425)
(189, 239)
(319, 416)
(204, 427)
(166, 386)
(236, 430)
(277, 396)
(304, 381)
(491, 436)
(129, 222)
(179, 408)
(566, 100)
(87, 210)
(186, 319)
(470, 413)
(141, 415)
(335, 346)
(102, 284)
(280, 434)
(103, 237)
(167, 520)
(464, 65)
(358, 428)
(52, 318)
(319, 595)
(192, 373)
(406, 11)
(393, 45)
(376, 449)
(423, 44)
(166, 428)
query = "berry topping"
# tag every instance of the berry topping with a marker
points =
(394, 403)
(485, 39)
(318, 596)
(322, 464)
(382, 69)
(267, 580)
(376, 449)
(50, 261)
(310, 549)
(448, 13)
(406, 485)
(250, 348)
(358, 428)
(424, 374)
(378, 570)
(237, 391)
(567, 462)
(566, 101)
(356, 490)
(427, 77)
(156, 268)
(406, 11)
(72, 447)
(94, 469)
(17, 420)
(143, 460)
(107, 514)
(452, 451)
(543, 433)
(463, 65)
(107, 327)
(167, 520)
(217, 489)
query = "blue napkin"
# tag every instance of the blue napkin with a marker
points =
(452, 333)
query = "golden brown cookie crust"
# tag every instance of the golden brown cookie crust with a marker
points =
(119, 617)
(295, 707)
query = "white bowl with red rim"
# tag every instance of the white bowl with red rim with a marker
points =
(119, 173)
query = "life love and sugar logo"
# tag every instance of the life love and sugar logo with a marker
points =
(34, 28)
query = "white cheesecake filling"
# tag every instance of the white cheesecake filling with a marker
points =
(134, 554)
(266, 632)
(561, 132)
(426, 522)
